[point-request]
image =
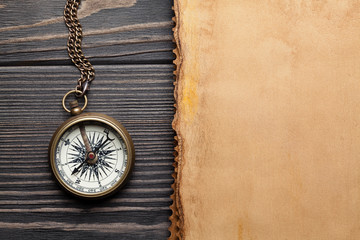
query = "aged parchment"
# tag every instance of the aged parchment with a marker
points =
(268, 120)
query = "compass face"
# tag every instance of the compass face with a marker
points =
(92, 158)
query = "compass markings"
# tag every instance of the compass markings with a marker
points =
(90, 172)
(102, 145)
(75, 160)
(106, 164)
(98, 169)
(102, 168)
(91, 139)
(80, 143)
(75, 155)
(96, 172)
(97, 139)
(107, 152)
(67, 141)
(110, 158)
(78, 147)
(83, 170)
(105, 145)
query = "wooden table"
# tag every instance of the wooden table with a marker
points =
(130, 45)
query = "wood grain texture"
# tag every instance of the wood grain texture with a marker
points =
(33, 32)
(130, 44)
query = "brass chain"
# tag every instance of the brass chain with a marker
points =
(74, 47)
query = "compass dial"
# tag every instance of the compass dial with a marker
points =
(92, 158)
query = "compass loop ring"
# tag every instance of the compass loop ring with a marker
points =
(75, 92)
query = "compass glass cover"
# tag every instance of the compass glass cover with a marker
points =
(94, 163)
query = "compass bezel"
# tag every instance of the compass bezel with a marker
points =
(103, 119)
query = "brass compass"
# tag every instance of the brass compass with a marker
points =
(91, 155)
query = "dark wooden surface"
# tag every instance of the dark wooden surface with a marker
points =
(130, 46)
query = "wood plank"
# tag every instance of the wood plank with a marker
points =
(130, 31)
(32, 205)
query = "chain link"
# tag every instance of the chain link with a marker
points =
(74, 47)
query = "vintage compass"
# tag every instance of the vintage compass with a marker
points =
(91, 155)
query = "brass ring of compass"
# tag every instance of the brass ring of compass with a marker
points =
(70, 92)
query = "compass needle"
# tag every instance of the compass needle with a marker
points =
(85, 138)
